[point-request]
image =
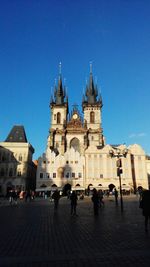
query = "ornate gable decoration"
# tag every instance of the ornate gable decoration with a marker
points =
(75, 121)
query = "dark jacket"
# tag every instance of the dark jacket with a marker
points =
(145, 202)
(73, 199)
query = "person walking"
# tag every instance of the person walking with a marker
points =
(116, 196)
(145, 205)
(56, 197)
(95, 200)
(73, 198)
(101, 195)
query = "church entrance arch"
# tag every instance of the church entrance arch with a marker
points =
(75, 143)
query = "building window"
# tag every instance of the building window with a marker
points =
(11, 172)
(47, 175)
(54, 175)
(54, 116)
(20, 157)
(2, 173)
(67, 162)
(3, 157)
(57, 145)
(19, 173)
(92, 117)
(80, 175)
(41, 175)
(67, 175)
(44, 161)
(75, 143)
(58, 118)
(73, 174)
(101, 175)
(76, 162)
(92, 138)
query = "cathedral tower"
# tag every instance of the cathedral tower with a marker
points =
(92, 107)
(59, 112)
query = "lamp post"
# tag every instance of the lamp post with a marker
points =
(119, 154)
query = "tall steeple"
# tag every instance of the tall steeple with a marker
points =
(91, 93)
(59, 91)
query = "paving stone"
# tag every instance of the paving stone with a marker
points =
(31, 234)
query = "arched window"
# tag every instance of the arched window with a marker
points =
(75, 144)
(58, 118)
(20, 157)
(92, 117)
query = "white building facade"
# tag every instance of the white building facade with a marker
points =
(76, 153)
(17, 170)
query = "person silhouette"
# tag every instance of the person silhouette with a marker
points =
(56, 197)
(95, 200)
(116, 196)
(145, 205)
(73, 198)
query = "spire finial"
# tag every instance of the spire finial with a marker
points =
(59, 68)
(90, 66)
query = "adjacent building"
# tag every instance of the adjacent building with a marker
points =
(77, 156)
(17, 170)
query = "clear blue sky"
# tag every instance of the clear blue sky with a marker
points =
(36, 35)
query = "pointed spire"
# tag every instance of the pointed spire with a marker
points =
(101, 100)
(59, 89)
(91, 90)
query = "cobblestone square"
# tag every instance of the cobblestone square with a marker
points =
(32, 234)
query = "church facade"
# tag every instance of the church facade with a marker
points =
(76, 153)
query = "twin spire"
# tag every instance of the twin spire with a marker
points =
(90, 96)
(91, 93)
(60, 96)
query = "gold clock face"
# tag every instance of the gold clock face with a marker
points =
(75, 116)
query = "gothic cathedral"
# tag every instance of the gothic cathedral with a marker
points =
(76, 153)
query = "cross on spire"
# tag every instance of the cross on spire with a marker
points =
(60, 68)
(91, 66)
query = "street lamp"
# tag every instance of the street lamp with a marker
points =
(119, 154)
